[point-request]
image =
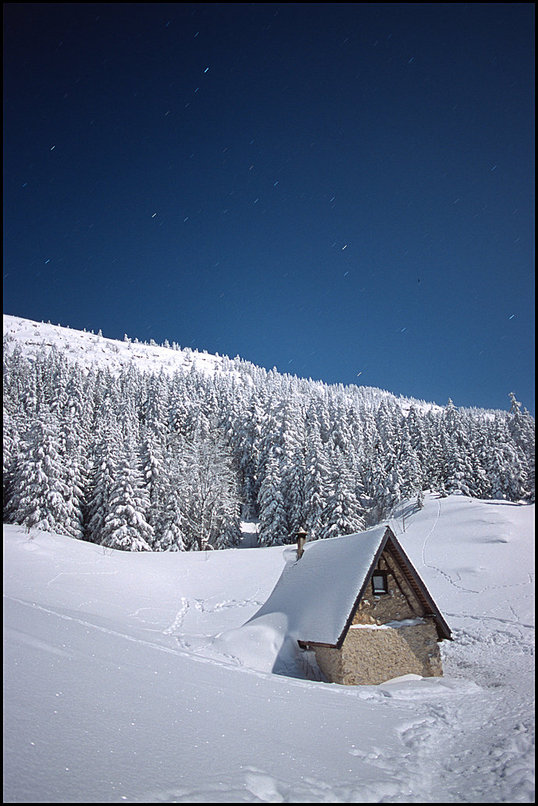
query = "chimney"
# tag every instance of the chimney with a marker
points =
(301, 540)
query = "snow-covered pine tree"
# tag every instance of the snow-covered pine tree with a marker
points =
(153, 472)
(125, 525)
(343, 513)
(504, 470)
(433, 463)
(105, 457)
(316, 485)
(10, 441)
(273, 523)
(521, 426)
(246, 436)
(292, 464)
(42, 499)
(172, 533)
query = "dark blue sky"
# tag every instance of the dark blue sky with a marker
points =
(343, 191)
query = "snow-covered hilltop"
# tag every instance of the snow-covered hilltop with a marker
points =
(90, 349)
(94, 350)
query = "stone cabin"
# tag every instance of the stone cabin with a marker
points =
(360, 605)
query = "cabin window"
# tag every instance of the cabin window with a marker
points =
(379, 582)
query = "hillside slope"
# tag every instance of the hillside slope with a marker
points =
(90, 349)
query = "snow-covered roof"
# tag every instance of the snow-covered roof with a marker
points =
(318, 592)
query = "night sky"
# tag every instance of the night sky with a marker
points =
(343, 191)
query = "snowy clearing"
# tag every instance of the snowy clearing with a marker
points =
(128, 678)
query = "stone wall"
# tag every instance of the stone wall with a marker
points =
(399, 603)
(371, 655)
(329, 661)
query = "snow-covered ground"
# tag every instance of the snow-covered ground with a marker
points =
(91, 349)
(126, 677)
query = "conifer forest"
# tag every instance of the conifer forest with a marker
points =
(174, 462)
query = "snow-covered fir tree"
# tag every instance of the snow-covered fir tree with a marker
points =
(43, 497)
(274, 526)
(125, 525)
(104, 462)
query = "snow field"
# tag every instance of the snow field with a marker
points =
(129, 677)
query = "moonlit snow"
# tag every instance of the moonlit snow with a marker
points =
(130, 677)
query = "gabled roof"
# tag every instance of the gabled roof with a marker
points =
(320, 593)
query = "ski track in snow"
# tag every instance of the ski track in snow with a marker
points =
(202, 606)
(434, 766)
(81, 573)
(134, 639)
(197, 647)
(254, 785)
(398, 530)
(428, 770)
(479, 734)
(435, 741)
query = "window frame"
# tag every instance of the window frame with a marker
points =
(384, 576)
